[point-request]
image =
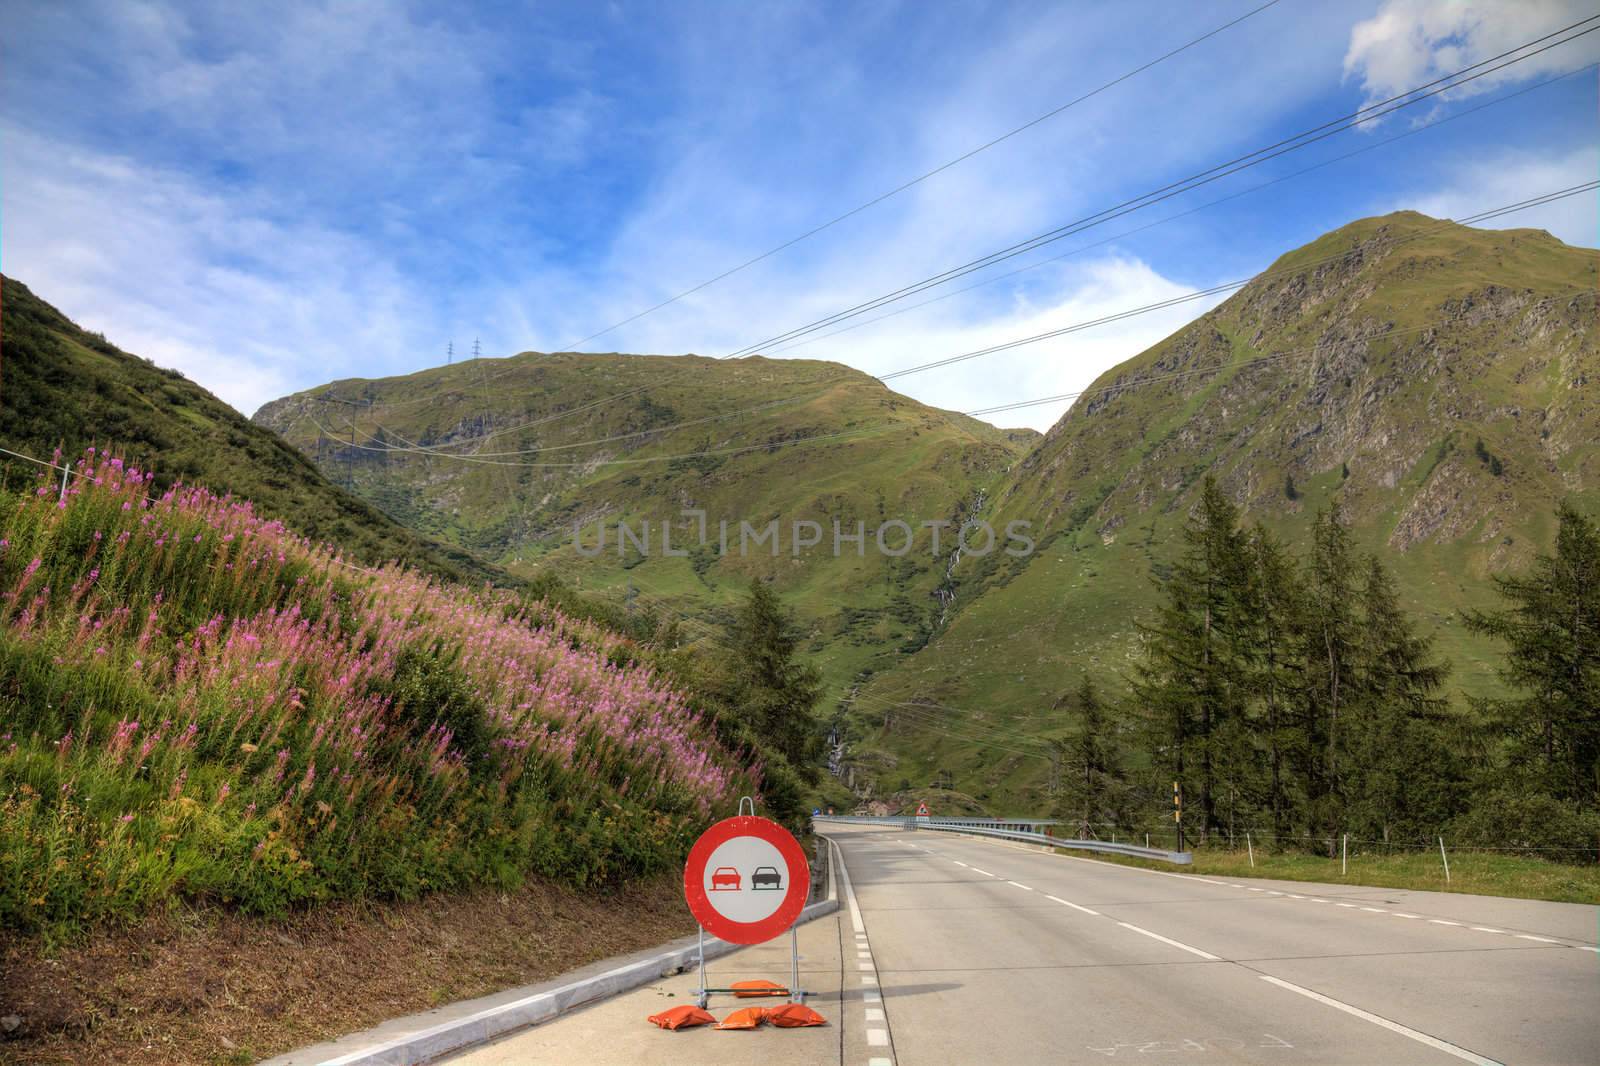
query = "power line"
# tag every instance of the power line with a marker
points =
(869, 431)
(1291, 270)
(1369, 113)
(1412, 132)
(921, 178)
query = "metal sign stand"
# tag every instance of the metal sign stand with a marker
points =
(702, 994)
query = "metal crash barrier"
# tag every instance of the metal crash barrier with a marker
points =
(1021, 830)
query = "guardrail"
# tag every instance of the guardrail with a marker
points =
(992, 828)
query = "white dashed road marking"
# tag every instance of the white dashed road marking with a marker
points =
(1421, 1038)
(1074, 906)
(1174, 943)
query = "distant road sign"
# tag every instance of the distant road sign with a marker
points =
(746, 880)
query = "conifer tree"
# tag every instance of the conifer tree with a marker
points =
(1274, 668)
(1093, 784)
(1188, 680)
(1551, 625)
(1404, 775)
(1329, 646)
(770, 686)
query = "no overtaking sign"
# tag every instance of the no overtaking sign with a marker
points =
(746, 880)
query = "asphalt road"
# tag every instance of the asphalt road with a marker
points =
(957, 950)
(989, 952)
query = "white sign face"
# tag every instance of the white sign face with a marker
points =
(746, 879)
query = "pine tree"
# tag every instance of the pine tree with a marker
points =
(1093, 785)
(1404, 776)
(1274, 669)
(1188, 680)
(770, 686)
(1329, 637)
(1551, 625)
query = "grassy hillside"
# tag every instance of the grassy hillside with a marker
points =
(197, 704)
(62, 387)
(505, 456)
(1436, 383)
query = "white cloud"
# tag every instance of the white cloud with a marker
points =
(1510, 177)
(1411, 42)
(247, 305)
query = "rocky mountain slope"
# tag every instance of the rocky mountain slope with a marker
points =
(508, 458)
(1438, 384)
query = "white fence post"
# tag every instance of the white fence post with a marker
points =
(1344, 856)
(1252, 849)
(1446, 859)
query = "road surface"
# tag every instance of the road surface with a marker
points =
(953, 949)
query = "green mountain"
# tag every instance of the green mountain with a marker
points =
(1434, 382)
(508, 457)
(61, 386)
(1440, 385)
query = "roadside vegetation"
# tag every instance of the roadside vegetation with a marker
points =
(1477, 872)
(198, 704)
(1292, 698)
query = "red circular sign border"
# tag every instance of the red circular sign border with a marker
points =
(694, 889)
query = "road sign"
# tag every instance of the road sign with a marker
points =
(922, 810)
(746, 880)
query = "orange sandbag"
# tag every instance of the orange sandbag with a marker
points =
(794, 1015)
(747, 1018)
(682, 1017)
(746, 989)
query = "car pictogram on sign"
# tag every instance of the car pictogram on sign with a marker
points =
(725, 879)
(766, 878)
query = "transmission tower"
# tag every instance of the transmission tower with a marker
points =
(450, 353)
(474, 347)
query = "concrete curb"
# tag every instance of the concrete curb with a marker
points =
(416, 1041)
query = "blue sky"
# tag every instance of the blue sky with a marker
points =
(271, 196)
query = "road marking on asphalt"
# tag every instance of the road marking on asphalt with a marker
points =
(1540, 939)
(1486, 929)
(1314, 899)
(1270, 892)
(1375, 910)
(1074, 906)
(1444, 921)
(975, 870)
(1253, 888)
(958, 862)
(1350, 905)
(1174, 943)
(1400, 914)
(1293, 896)
(877, 1037)
(1422, 1038)
(1024, 888)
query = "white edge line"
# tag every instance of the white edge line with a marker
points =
(1024, 888)
(1422, 1038)
(1174, 943)
(1074, 906)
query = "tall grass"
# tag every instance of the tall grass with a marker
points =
(197, 703)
